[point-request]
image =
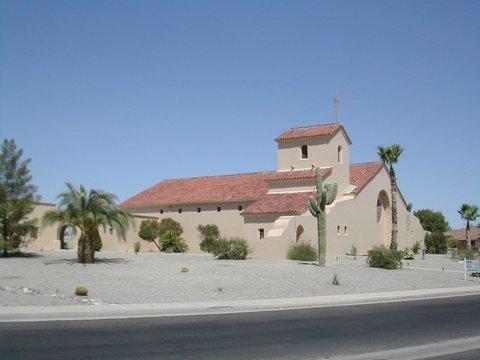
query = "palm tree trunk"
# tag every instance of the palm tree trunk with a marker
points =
(393, 185)
(81, 249)
(89, 251)
(467, 234)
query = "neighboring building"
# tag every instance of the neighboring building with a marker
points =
(269, 209)
(460, 235)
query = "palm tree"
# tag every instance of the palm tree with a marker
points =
(87, 210)
(390, 156)
(469, 213)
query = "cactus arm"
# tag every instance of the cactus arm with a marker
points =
(323, 199)
(312, 206)
(331, 192)
(318, 179)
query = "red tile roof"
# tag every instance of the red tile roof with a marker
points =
(311, 131)
(296, 203)
(297, 174)
(242, 187)
(293, 203)
(202, 190)
(362, 173)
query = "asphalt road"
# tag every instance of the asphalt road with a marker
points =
(293, 334)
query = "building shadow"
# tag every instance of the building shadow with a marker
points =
(73, 261)
(21, 254)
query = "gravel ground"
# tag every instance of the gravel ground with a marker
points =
(49, 278)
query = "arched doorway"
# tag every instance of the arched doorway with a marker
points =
(66, 236)
(299, 236)
(384, 217)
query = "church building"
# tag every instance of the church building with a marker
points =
(269, 209)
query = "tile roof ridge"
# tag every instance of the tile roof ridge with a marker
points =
(217, 176)
(367, 163)
(312, 126)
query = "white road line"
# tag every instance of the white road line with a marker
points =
(418, 352)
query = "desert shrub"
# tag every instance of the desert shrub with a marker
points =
(302, 252)
(381, 257)
(416, 248)
(353, 252)
(173, 243)
(468, 254)
(81, 290)
(169, 224)
(436, 243)
(136, 246)
(451, 243)
(231, 249)
(409, 255)
(209, 235)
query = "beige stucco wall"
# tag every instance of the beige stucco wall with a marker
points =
(322, 152)
(229, 220)
(46, 237)
(359, 215)
(290, 186)
(273, 247)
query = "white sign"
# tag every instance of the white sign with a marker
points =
(472, 266)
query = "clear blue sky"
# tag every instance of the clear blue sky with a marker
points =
(122, 94)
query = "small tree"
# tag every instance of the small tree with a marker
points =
(433, 221)
(149, 231)
(17, 196)
(436, 243)
(169, 224)
(209, 235)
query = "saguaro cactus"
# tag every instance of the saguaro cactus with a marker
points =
(326, 194)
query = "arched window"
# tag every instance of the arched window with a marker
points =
(379, 210)
(339, 154)
(299, 234)
(304, 152)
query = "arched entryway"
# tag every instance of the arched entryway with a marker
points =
(299, 236)
(66, 235)
(384, 217)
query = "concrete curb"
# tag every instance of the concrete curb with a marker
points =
(122, 311)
